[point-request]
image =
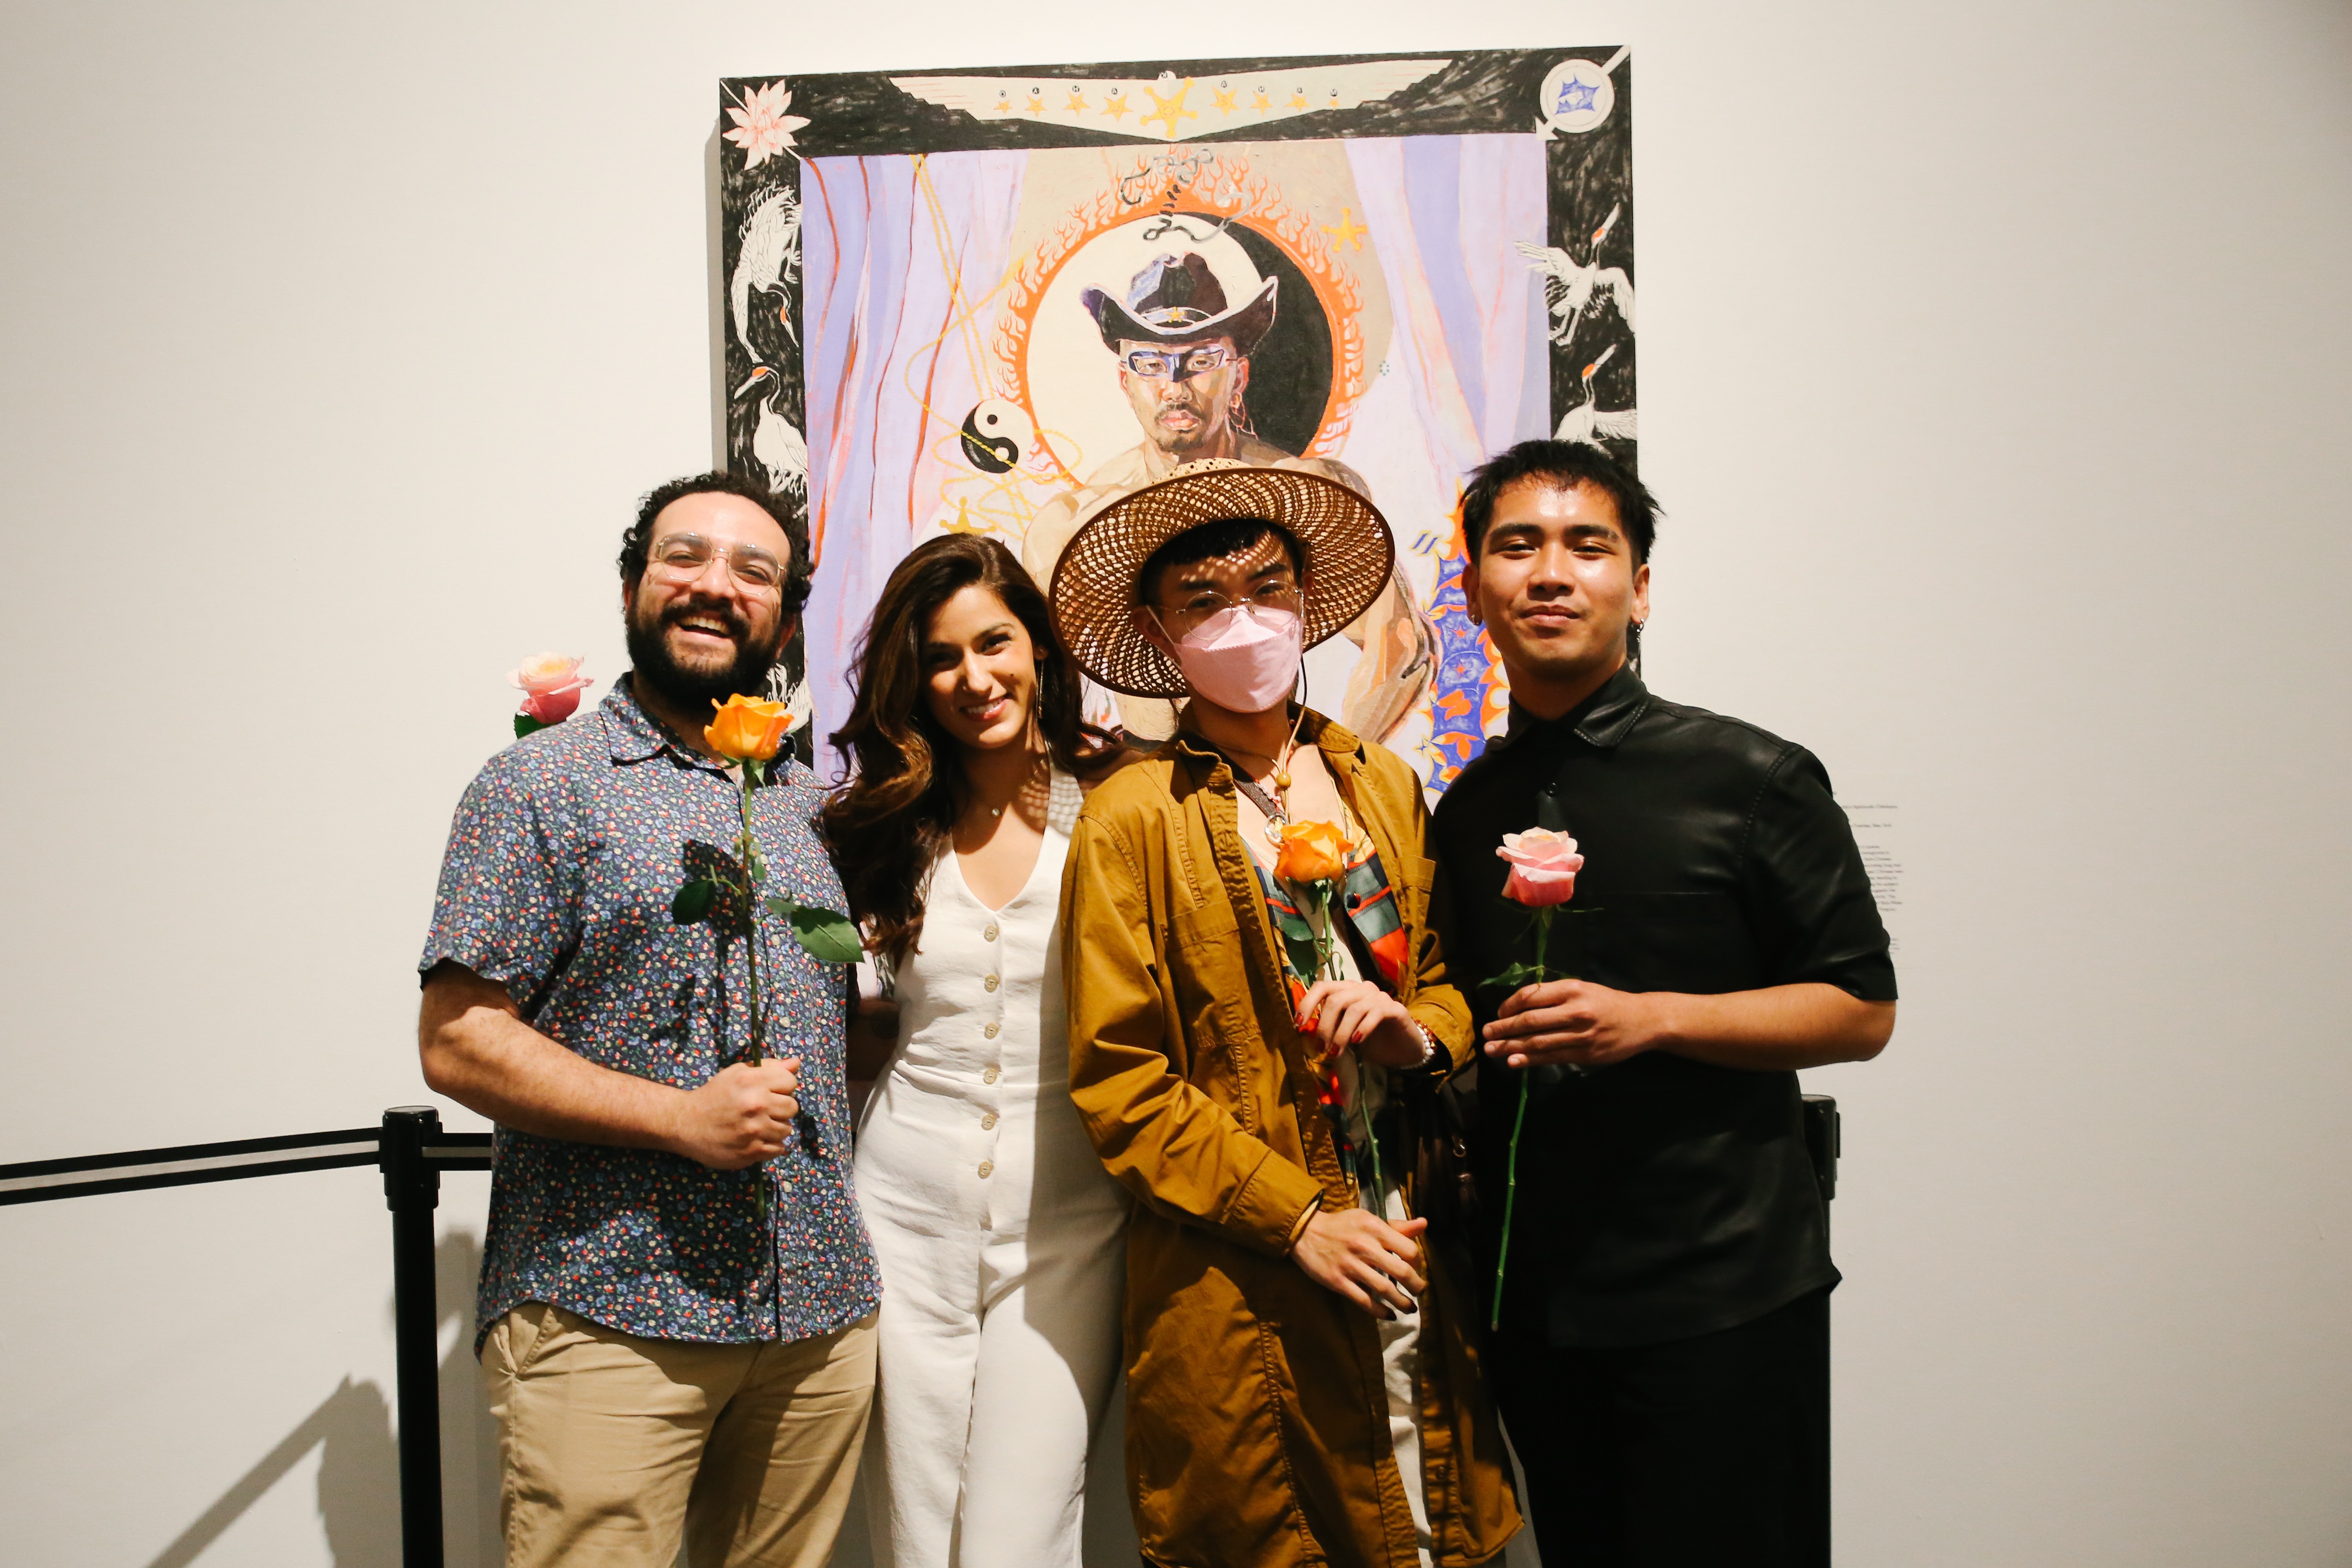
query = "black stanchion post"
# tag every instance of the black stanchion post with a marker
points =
(1823, 1134)
(411, 1189)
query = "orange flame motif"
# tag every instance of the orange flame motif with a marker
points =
(1215, 185)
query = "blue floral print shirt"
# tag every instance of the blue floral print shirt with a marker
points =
(566, 852)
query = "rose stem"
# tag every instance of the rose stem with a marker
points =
(745, 850)
(1519, 1119)
(1325, 946)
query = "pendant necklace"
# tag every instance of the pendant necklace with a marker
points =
(997, 812)
(1274, 805)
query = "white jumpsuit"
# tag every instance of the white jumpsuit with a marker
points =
(1000, 1237)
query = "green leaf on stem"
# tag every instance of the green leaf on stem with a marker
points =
(692, 904)
(527, 725)
(829, 937)
(1516, 975)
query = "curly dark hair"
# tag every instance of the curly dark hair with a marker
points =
(1565, 464)
(904, 786)
(638, 541)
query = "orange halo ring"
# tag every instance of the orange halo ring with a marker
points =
(1233, 191)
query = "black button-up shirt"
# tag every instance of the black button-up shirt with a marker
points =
(1660, 1197)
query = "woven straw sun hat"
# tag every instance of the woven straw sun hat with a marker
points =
(1349, 557)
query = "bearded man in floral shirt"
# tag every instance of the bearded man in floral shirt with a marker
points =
(678, 1296)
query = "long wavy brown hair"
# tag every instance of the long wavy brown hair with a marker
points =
(905, 785)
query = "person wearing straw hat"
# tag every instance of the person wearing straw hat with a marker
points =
(1257, 1009)
(1184, 349)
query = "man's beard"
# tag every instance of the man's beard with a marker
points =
(693, 690)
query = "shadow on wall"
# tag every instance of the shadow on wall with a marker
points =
(359, 1467)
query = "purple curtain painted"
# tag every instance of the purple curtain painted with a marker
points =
(901, 259)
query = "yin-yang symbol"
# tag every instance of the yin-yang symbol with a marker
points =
(995, 434)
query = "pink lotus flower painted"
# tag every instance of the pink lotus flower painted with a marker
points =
(763, 129)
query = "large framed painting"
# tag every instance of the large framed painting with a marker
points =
(991, 300)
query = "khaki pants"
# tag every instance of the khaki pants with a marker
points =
(616, 1448)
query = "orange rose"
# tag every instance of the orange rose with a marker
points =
(747, 730)
(1311, 852)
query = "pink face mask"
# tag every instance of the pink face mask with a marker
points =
(1242, 659)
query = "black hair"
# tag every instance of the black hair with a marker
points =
(638, 541)
(1565, 464)
(1206, 541)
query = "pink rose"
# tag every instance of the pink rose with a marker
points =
(547, 672)
(553, 707)
(551, 684)
(1544, 864)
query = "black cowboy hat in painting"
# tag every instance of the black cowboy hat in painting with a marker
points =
(1177, 300)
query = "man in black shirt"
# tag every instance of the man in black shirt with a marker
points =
(1662, 1361)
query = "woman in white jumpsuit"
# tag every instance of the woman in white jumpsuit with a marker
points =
(1001, 1238)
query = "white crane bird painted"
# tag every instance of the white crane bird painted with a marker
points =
(1572, 288)
(768, 259)
(1591, 424)
(782, 449)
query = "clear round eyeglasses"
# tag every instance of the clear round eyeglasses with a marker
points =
(1278, 597)
(683, 557)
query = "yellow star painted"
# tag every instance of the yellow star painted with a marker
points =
(1348, 231)
(1298, 99)
(1115, 104)
(1263, 104)
(1170, 110)
(1077, 104)
(1003, 103)
(1036, 105)
(1224, 104)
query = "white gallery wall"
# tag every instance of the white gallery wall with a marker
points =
(1996, 370)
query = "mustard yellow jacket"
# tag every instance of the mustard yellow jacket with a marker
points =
(1257, 1427)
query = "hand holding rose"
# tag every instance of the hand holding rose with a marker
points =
(1344, 1013)
(1573, 1024)
(739, 1117)
(1544, 864)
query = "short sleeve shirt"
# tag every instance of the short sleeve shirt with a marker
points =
(566, 852)
(1672, 1197)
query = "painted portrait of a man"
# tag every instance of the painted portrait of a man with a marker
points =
(1183, 355)
(994, 301)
